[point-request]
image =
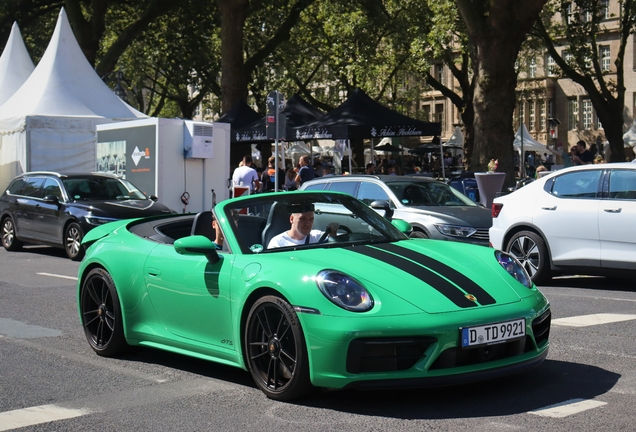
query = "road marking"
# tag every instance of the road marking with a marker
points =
(57, 276)
(36, 415)
(590, 320)
(18, 329)
(567, 408)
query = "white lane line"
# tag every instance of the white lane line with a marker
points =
(590, 320)
(36, 415)
(57, 276)
(567, 408)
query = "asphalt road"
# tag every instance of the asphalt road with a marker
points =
(49, 374)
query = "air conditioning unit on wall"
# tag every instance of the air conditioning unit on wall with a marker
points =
(197, 139)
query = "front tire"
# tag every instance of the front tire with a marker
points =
(276, 351)
(101, 314)
(531, 251)
(9, 240)
(73, 236)
(418, 234)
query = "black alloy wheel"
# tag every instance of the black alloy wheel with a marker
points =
(276, 351)
(72, 241)
(531, 251)
(418, 234)
(101, 314)
(9, 239)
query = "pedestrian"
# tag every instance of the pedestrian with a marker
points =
(269, 175)
(584, 156)
(306, 171)
(245, 175)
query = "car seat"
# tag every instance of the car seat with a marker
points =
(202, 225)
(277, 222)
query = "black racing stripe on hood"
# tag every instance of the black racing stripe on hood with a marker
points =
(444, 287)
(448, 272)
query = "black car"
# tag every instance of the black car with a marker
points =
(58, 209)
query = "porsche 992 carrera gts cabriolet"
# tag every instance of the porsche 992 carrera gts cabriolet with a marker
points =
(359, 306)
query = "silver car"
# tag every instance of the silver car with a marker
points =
(434, 209)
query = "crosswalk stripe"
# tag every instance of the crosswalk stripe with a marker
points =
(57, 276)
(567, 408)
(36, 415)
(590, 320)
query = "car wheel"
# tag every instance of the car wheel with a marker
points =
(72, 241)
(101, 314)
(418, 234)
(530, 249)
(9, 240)
(276, 351)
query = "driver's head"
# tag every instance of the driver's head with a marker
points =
(302, 223)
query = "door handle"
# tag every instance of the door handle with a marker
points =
(613, 210)
(549, 208)
(153, 271)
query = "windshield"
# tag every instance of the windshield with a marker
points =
(418, 194)
(261, 219)
(96, 188)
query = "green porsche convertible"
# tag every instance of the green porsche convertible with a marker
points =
(311, 290)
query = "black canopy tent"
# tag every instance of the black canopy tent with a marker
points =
(298, 112)
(238, 117)
(361, 117)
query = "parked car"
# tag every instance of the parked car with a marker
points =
(434, 209)
(59, 209)
(365, 307)
(579, 220)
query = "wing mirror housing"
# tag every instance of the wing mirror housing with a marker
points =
(197, 245)
(383, 205)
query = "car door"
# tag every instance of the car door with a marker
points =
(47, 221)
(24, 205)
(190, 295)
(567, 214)
(617, 221)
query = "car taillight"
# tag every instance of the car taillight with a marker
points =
(496, 209)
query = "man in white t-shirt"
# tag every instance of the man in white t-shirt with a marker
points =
(245, 175)
(301, 231)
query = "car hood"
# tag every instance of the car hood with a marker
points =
(127, 209)
(435, 276)
(478, 217)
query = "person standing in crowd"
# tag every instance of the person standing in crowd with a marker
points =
(319, 170)
(269, 175)
(306, 171)
(245, 175)
(290, 179)
(584, 156)
(370, 168)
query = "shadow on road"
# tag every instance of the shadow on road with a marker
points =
(593, 282)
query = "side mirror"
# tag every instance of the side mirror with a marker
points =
(154, 198)
(383, 205)
(51, 199)
(197, 245)
(403, 226)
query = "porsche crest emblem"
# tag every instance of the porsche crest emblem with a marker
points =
(471, 297)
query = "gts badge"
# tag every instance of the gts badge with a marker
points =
(227, 342)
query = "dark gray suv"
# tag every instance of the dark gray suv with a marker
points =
(434, 209)
(58, 209)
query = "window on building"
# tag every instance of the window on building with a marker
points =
(426, 112)
(552, 68)
(521, 112)
(439, 115)
(605, 9)
(569, 13)
(567, 56)
(439, 73)
(532, 120)
(604, 54)
(543, 119)
(532, 68)
(587, 114)
(573, 114)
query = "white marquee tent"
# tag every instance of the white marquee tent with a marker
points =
(15, 65)
(629, 138)
(49, 122)
(529, 143)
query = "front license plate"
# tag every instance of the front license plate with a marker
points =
(493, 333)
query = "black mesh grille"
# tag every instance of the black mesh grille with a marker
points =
(382, 355)
(541, 327)
(455, 357)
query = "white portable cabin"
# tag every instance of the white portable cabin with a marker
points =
(179, 161)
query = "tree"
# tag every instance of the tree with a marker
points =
(497, 29)
(581, 30)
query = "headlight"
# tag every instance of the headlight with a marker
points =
(514, 267)
(344, 291)
(455, 230)
(95, 220)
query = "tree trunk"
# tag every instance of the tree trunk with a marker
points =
(233, 74)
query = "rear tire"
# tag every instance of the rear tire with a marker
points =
(531, 251)
(418, 234)
(101, 314)
(73, 236)
(275, 350)
(9, 240)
